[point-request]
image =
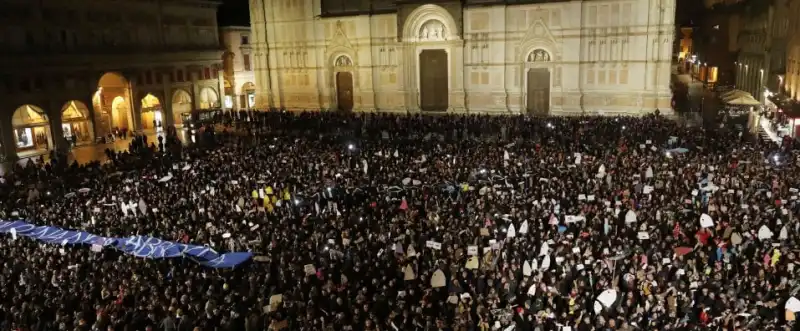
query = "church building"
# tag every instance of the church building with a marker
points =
(538, 57)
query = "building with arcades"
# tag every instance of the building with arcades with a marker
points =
(79, 70)
(541, 57)
(238, 68)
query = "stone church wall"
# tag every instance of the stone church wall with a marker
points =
(606, 57)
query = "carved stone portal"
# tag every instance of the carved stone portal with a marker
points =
(432, 30)
(343, 61)
(539, 55)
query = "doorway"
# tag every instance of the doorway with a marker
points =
(538, 103)
(344, 90)
(433, 84)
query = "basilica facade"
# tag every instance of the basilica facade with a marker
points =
(513, 56)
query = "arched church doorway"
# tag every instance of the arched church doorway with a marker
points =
(76, 123)
(538, 80)
(112, 105)
(152, 116)
(433, 80)
(31, 130)
(181, 106)
(343, 74)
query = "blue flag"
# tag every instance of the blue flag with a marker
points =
(140, 246)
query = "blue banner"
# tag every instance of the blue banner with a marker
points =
(139, 246)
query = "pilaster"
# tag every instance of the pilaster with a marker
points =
(56, 139)
(221, 86)
(92, 126)
(135, 104)
(9, 148)
(237, 102)
(195, 89)
(166, 104)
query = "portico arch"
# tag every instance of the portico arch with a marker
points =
(31, 129)
(112, 104)
(76, 123)
(152, 113)
(181, 104)
(208, 98)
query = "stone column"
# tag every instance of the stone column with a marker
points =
(457, 101)
(410, 85)
(59, 143)
(92, 125)
(237, 102)
(91, 85)
(195, 88)
(221, 87)
(136, 105)
(166, 104)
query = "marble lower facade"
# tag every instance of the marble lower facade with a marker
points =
(563, 58)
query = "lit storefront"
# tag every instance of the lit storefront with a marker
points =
(76, 124)
(31, 129)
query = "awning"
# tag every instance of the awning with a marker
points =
(735, 94)
(745, 100)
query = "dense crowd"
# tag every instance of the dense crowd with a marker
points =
(389, 222)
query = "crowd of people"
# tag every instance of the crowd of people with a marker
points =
(407, 222)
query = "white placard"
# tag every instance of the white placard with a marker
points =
(706, 221)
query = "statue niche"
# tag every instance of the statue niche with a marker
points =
(432, 30)
(539, 55)
(343, 61)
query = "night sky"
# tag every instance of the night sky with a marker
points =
(234, 12)
(689, 12)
